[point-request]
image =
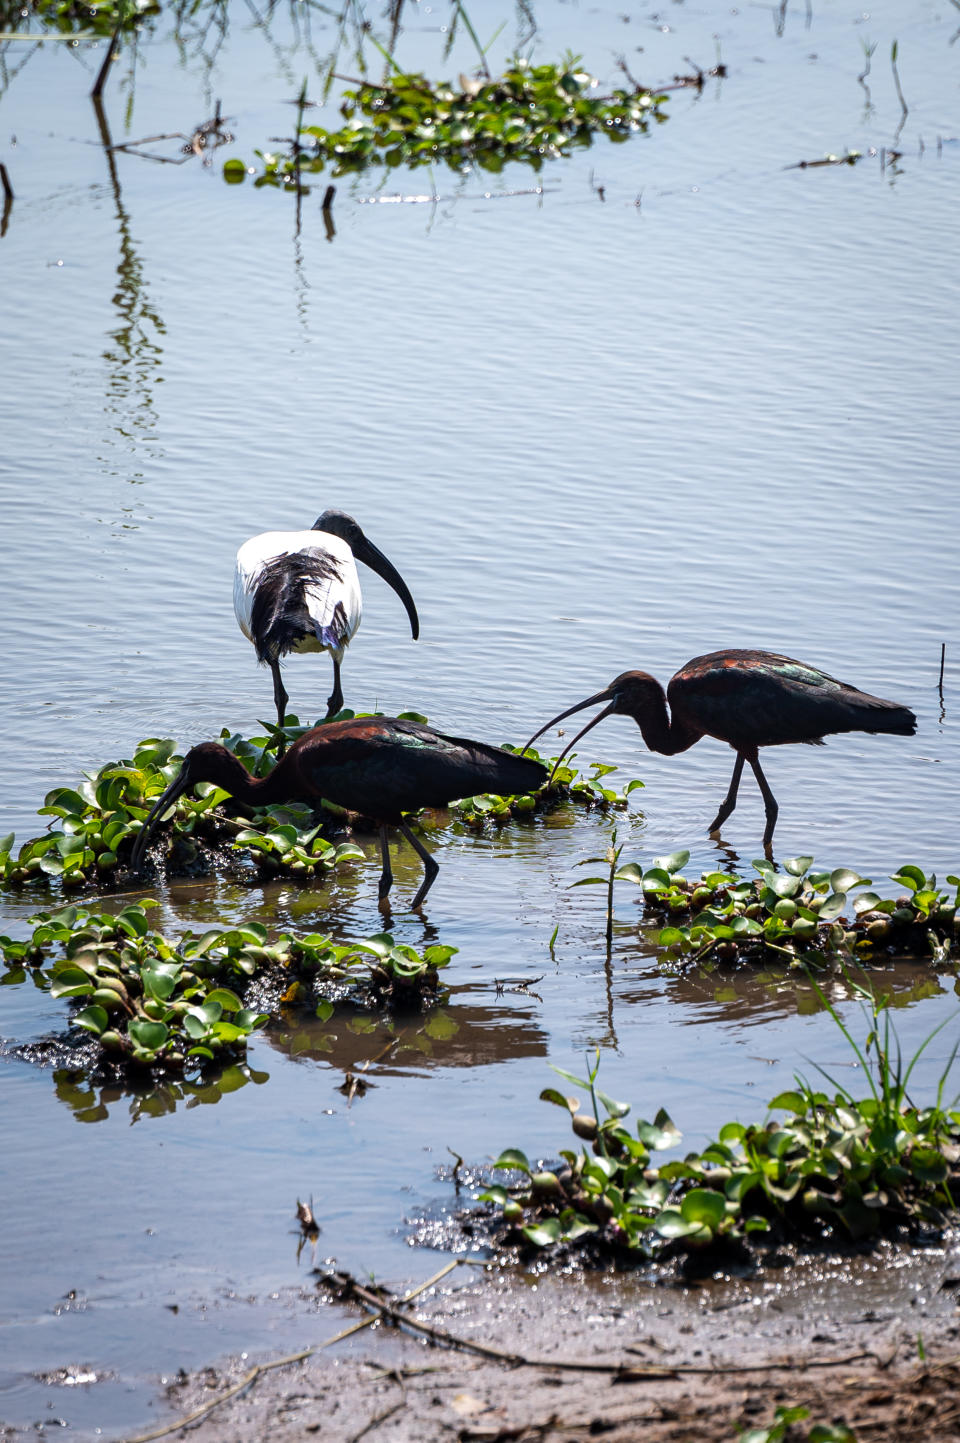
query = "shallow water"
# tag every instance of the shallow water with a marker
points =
(592, 434)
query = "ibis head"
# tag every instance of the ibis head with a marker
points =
(629, 694)
(338, 523)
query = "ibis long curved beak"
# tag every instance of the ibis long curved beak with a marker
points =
(177, 787)
(605, 695)
(371, 556)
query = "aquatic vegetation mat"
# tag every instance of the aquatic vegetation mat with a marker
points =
(800, 915)
(94, 825)
(152, 1002)
(834, 1168)
(527, 115)
(75, 18)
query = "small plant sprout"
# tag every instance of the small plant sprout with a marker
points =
(611, 857)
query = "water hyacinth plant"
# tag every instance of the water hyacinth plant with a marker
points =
(529, 114)
(835, 1167)
(155, 1002)
(805, 916)
(75, 17)
(566, 784)
(147, 1000)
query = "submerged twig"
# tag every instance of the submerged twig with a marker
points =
(435, 198)
(326, 210)
(207, 136)
(379, 1418)
(7, 199)
(108, 59)
(851, 158)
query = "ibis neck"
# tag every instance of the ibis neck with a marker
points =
(227, 771)
(661, 732)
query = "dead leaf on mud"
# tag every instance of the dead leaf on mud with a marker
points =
(467, 1405)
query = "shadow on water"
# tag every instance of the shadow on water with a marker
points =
(748, 996)
(459, 1034)
(92, 1102)
(366, 1049)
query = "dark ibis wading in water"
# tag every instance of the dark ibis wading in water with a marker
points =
(378, 766)
(750, 699)
(299, 591)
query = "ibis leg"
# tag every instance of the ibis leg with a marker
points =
(730, 800)
(769, 801)
(335, 699)
(430, 867)
(280, 698)
(386, 876)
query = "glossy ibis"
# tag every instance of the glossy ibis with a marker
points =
(299, 591)
(378, 766)
(750, 699)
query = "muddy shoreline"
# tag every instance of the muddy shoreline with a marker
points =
(872, 1342)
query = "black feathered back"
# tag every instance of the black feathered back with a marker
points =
(279, 617)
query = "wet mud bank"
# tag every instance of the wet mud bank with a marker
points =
(869, 1343)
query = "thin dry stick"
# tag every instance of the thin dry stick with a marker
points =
(575, 1365)
(379, 1418)
(943, 644)
(297, 155)
(250, 1378)
(8, 200)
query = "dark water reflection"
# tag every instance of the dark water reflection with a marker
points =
(134, 347)
(452, 1035)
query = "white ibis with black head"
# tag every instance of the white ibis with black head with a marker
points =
(297, 591)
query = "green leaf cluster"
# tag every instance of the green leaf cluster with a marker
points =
(565, 784)
(286, 848)
(529, 114)
(783, 1420)
(398, 975)
(810, 917)
(95, 823)
(155, 1002)
(75, 17)
(147, 1000)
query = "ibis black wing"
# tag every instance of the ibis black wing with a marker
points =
(758, 699)
(383, 766)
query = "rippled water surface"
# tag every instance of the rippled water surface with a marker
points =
(690, 396)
